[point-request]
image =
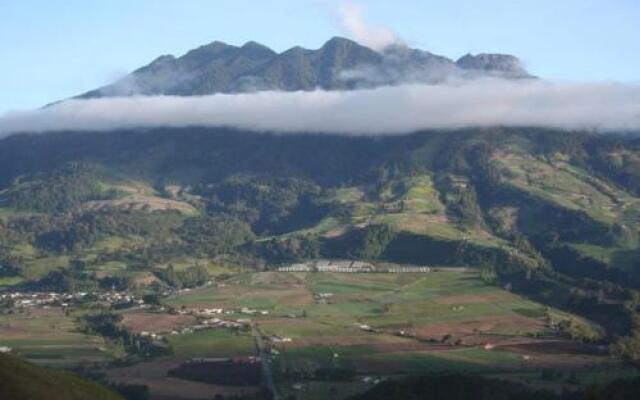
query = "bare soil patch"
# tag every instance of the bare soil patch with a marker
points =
(139, 202)
(139, 321)
(481, 324)
(475, 298)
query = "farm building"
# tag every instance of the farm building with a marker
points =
(349, 266)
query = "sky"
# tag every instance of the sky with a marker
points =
(50, 50)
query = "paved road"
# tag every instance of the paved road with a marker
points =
(265, 359)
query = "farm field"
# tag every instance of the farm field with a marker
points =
(48, 336)
(330, 335)
(367, 327)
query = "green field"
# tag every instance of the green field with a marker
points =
(213, 343)
(51, 337)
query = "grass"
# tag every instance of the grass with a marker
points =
(182, 263)
(568, 186)
(407, 205)
(382, 300)
(465, 360)
(421, 196)
(20, 380)
(348, 195)
(616, 257)
(39, 267)
(421, 224)
(213, 343)
(10, 281)
(24, 250)
(51, 336)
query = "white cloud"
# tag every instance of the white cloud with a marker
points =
(385, 110)
(353, 22)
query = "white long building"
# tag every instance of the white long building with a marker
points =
(349, 266)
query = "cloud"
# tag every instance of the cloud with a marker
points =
(386, 110)
(353, 22)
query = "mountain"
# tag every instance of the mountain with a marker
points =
(534, 199)
(21, 380)
(340, 64)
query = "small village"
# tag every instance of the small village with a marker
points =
(117, 299)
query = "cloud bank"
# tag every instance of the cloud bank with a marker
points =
(386, 110)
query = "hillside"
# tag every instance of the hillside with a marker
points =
(485, 189)
(20, 380)
(466, 387)
(553, 214)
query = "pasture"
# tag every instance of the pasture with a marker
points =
(48, 336)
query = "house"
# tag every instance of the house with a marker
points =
(280, 339)
(370, 380)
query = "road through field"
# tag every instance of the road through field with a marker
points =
(265, 359)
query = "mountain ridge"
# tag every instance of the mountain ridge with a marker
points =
(339, 64)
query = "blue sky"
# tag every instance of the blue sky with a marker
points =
(54, 49)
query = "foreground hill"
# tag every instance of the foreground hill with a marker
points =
(340, 64)
(453, 387)
(20, 380)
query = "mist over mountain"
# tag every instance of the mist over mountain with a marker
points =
(341, 88)
(340, 64)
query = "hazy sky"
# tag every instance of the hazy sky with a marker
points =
(54, 49)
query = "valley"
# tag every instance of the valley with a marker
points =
(331, 264)
(328, 334)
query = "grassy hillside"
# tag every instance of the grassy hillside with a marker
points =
(21, 380)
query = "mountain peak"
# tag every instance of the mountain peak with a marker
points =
(340, 41)
(216, 45)
(340, 64)
(255, 46)
(503, 64)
